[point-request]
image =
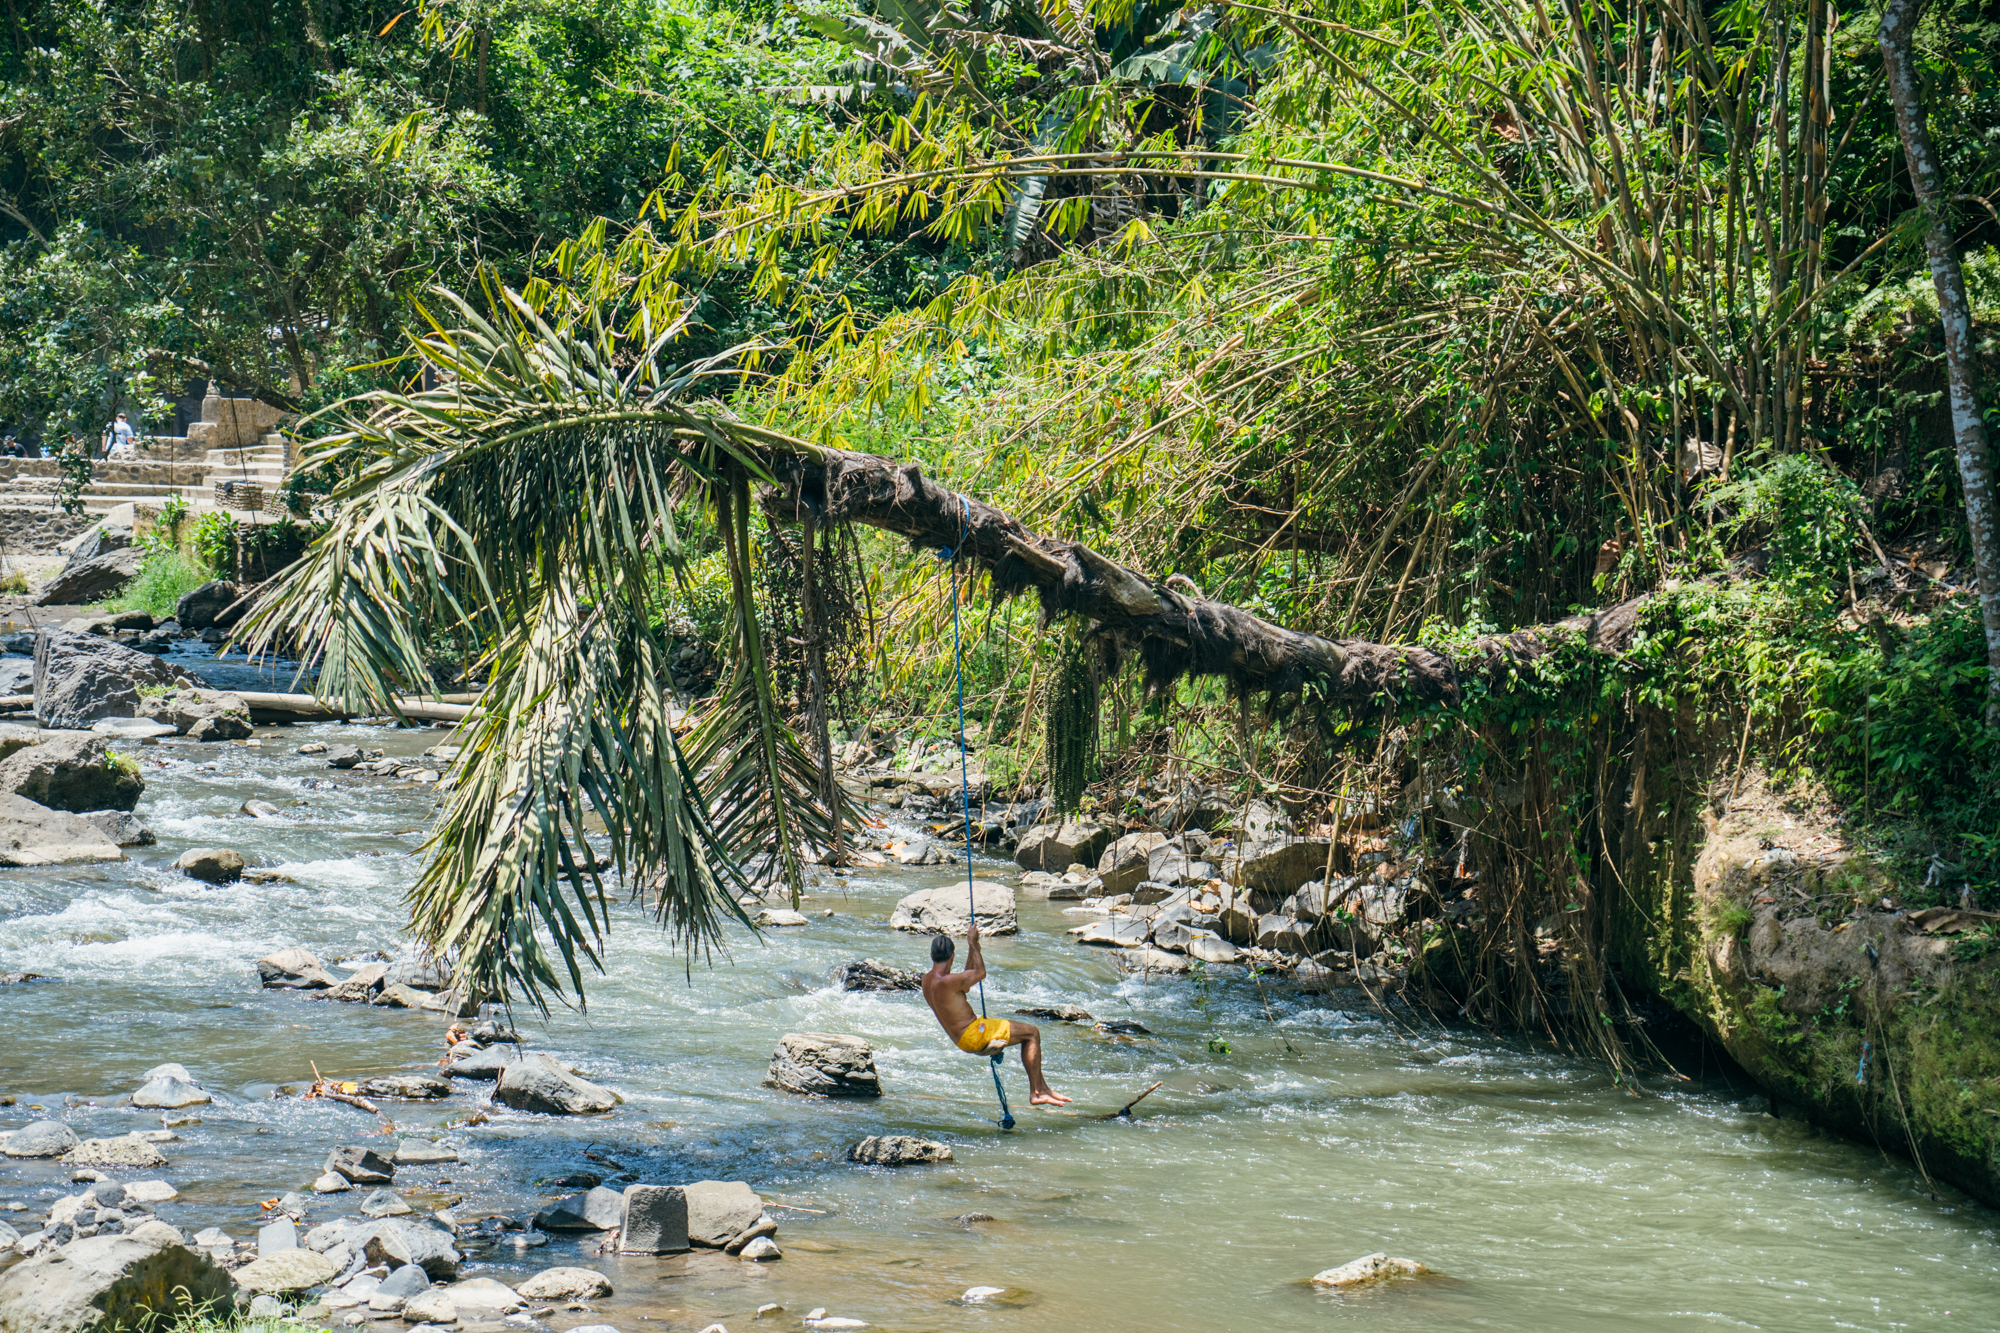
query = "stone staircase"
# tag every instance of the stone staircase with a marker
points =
(232, 442)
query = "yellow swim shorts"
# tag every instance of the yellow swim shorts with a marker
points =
(983, 1032)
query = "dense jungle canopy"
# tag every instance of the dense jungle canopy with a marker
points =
(1364, 324)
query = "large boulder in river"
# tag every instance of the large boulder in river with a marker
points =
(112, 1282)
(211, 865)
(898, 1150)
(1126, 861)
(539, 1083)
(82, 678)
(206, 605)
(121, 826)
(34, 835)
(720, 1210)
(1276, 865)
(1055, 847)
(88, 580)
(293, 969)
(870, 974)
(78, 773)
(943, 911)
(43, 1138)
(824, 1064)
(186, 710)
(595, 1209)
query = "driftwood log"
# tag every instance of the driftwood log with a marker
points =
(1174, 632)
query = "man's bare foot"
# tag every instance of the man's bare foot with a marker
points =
(1047, 1097)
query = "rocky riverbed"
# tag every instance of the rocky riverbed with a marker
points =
(1297, 1128)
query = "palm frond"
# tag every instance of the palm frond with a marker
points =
(527, 504)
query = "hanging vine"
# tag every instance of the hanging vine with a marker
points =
(1071, 733)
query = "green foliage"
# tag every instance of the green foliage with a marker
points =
(165, 576)
(214, 543)
(1733, 918)
(77, 472)
(1811, 513)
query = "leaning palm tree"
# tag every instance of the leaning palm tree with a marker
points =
(527, 505)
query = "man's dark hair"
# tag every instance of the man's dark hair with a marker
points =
(942, 948)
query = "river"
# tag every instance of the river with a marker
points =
(1549, 1198)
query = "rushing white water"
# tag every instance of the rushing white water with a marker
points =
(1551, 1198)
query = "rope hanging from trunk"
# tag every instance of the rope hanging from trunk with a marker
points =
(965, 789)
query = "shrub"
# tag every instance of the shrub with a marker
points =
(165, 575)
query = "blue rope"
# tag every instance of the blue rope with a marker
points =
(965, 791)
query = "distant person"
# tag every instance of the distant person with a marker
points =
(119, 437)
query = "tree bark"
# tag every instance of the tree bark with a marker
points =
(1173, 633)
(1975, 464)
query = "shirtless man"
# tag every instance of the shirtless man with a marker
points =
(945, 991)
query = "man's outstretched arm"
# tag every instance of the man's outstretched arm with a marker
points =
(975, 963)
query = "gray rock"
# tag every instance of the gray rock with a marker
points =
(1286, 934)
(655, 1220)
(169, 1092)
(824, 1064)
(266, 1307)
(363, 1166)
(1056, 847)
(487, 1064)
(396, 1241)
(762, 1249)
(406, 1087)
(943, 911)
(1060, 1013)
(403, 1283)
(384, 1203)
(272, 1237)
(540, 1084)
(898, 1150)
(128, 1151)
(109, 1282)
(422, 1152)
(1122, 932)
(418, 974)
(1276, 865)
(342, 756)
(292, 969)
(120, 826)
(1210, 948)
(720, 1210)
(1367, 1270)
(43, 1138)
(220, 727)
(82, 678)
(1171, 864)
(1127, 860)
(77, 773)
(206, 605)
(360, 985)
(211, 865)
(1149, 961)
(286, 1270)
(332, 1182)
(596, 1209)
(765, 1225)
(84, 581)
(868, 974)
(566, 1284)
(185, 709)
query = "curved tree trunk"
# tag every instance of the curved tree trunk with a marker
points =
(1173, 632)
(1975, 463)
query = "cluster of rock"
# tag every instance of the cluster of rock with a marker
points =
(724, 1215)
(65, 798)
(1253, 894)
(437, 761)
(405, 983)
(87, 680)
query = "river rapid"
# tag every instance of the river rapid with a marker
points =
(1293, 1132)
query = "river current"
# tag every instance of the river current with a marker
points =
(1292, 1132)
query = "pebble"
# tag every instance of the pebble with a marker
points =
(819, 1318)
(766, 1311)
(976, 1295)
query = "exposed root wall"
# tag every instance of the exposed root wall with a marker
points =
(1768, 930)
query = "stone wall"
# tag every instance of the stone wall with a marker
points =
(40, 529)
